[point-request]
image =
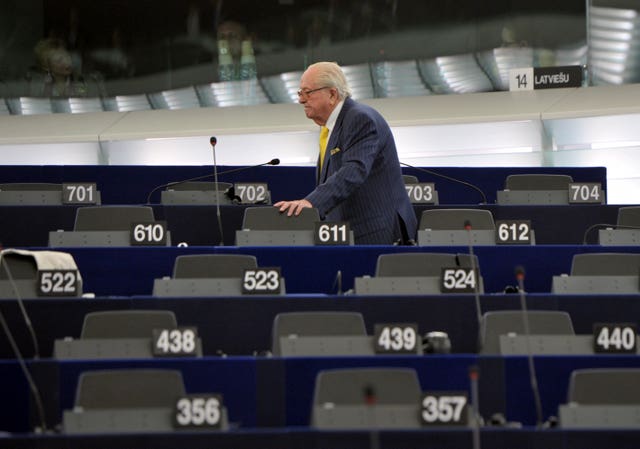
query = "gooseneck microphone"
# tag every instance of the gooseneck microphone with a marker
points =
(213, 142)
(476, 275)
(519, 271)
(475, 406)
(449, 178)
(274, 161)
(370, 399)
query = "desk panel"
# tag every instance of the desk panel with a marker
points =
(293, 438)
(132, 184)
(313, 269)
(242, 326)
(198, 225)
(277, 393)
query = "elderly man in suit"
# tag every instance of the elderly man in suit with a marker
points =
(359, 179)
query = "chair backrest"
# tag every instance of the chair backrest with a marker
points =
(213, 265)
(605, 386)
(111, 218)
(77, 105)
(420, 264)
(282, 88)
(19, 266)
(201, 186)
(315, 324)
(29, 105)
(605, 264)
(352, 386)
(410, 179)
(455, 219)
(232, 93)
(398, 79)
(629, 216)
(269, 218)
(537, 181)
(129, 388)
(180, 98)
(30, 186)
(126, 103)
(126, 323)
(497, 323)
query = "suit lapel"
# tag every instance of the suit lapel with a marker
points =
(333, 140)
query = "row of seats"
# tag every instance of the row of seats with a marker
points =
(522, 189)
(266, 226)
(403, 273)
(116, 334)
(482, 72)
(360, 398)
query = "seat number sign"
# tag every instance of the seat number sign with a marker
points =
(458, 280)
(262, 281)
(251, 193)
(149, 233)
(58, 282)
(79, 193)
(333, 233)
(444, 409)
(180, 341)
(615, 338)
(396, 338)
(585, 192)
(513, 232)
(421, 192)
(198, 411)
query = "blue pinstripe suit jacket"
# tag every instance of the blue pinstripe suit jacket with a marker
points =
(361, 180)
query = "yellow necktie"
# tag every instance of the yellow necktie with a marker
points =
(324, 134)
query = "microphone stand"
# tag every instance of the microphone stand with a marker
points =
(213, 142)
(527, 333)
(37, 399)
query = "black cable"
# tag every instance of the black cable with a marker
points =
(604, 225)
(14, 346)
(449, 178)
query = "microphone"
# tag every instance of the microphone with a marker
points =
(213, 142)
(14, 346)
(370, 399)
(337, 282)
(274, 161)
(475, 405)
(476, 274)
(519, 271)
(468, 184)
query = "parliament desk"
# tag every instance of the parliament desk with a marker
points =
(29, 226)
(128, 271)
(240, 327)
(276, 393)
(494, 438)
(134, 184)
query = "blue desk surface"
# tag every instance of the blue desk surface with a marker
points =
(304, 438)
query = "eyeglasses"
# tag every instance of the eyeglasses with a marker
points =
(306, 93)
